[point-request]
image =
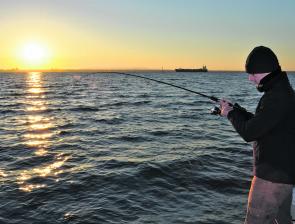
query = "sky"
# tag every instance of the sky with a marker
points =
(143, 34)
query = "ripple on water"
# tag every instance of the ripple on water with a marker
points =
(102, 148)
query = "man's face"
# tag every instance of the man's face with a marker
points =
(256, 78)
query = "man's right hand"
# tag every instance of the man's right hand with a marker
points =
(225, 107)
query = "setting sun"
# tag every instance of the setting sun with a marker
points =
(34, 54)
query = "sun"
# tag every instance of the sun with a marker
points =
(34, 54)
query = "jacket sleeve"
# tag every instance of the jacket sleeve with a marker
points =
(270, 112)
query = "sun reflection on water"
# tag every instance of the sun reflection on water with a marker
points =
(2, 174)
(39, 137)
(36, 90)
(30, 187)
(38, 123)
(52, 170)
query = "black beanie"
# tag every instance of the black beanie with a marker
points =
(261, 60)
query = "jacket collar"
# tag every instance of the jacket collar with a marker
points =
(271, 80)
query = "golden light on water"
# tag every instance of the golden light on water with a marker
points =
(35, 83)
(37, 122)
(40, 126)
(39, 136)
(36, 108)
(2, 174)
(30, 187)
(35, 90)
(43, 171)
(41, 152)
(37, 143)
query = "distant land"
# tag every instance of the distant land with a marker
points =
(101, 70)
(104, 70)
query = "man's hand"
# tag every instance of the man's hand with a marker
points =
(225, 107)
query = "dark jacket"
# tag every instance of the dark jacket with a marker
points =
(272, 131)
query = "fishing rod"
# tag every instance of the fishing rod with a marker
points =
(213, 98)
(214, 111)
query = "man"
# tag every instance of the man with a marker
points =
(272, 131)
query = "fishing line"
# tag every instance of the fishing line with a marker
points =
(213, 98)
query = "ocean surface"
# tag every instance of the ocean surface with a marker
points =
(108, 148)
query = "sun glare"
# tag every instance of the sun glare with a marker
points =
(34, 54)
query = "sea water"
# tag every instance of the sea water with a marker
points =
(108, 148)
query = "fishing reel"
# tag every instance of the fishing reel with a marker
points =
(215, 111)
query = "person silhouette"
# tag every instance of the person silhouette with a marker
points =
(272, 131)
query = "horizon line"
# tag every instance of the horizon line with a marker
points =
(110, 70)
(101, 70)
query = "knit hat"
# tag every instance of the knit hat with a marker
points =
(261, 60)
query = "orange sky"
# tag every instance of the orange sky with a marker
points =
(143, 34)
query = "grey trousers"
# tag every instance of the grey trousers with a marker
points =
(269, 203)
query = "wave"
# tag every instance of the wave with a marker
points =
(79, 132)
(83, 109)
(131, 138)
(186, 178)
(127, 103)
(9, 111)
(160, 133)
(110, 121)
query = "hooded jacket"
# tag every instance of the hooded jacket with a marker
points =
(272, 131)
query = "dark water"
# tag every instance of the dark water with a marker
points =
(86, 148)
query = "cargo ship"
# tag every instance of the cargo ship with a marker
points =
(203, 69)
